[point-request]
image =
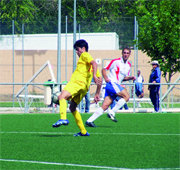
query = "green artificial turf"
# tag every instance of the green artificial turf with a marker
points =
(16, 104)
(39, 104)
(140, 140)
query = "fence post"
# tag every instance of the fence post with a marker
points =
(134, 102)
(160, 99)
(26, 108)
(13, 56)
(22, 53)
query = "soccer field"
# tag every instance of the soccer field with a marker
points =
(136, 141)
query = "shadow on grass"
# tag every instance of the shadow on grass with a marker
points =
(100, 126)
(55, 136)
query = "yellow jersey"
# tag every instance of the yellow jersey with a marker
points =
(84, 70)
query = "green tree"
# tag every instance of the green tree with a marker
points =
(21, 11)
(41, 16)
(159, 28)
(107, 16)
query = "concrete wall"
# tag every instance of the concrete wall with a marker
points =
(34, 59)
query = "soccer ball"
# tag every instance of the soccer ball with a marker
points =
(55, 94)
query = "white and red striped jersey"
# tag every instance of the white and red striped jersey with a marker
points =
(118, 70)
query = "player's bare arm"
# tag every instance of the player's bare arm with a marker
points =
(98, 89)
(94, 66)
(104, 73)
(127, 78)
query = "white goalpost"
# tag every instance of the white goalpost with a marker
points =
(34, 96)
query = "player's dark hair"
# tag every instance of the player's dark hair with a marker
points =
(81, 43)
(126, 48)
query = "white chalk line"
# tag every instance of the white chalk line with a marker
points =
(58, 163)
(70, 133)
(77, 165)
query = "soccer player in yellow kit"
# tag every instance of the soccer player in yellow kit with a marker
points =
(78, 86)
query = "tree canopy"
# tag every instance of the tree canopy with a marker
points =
(159, 28)
(92, 16)
(17, 10)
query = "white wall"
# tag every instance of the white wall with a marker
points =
(96, 41)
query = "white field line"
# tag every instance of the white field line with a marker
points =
(57, 163)
(78, 165)
(70, 133)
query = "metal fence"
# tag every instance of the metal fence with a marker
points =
(126, 29)
(31, 99)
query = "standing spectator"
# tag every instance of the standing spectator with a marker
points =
(155, 77)
(119, 70)
(139, 88)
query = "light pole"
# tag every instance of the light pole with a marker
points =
(59, 44)
(74, 37)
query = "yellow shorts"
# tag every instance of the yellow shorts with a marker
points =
(77, 89)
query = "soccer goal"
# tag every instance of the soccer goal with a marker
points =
(32, 97)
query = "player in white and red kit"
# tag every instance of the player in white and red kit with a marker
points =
(119, 70)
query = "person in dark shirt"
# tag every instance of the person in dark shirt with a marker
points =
(155, 77)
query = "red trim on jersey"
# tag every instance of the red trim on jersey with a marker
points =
(90, 69)
(129, 63)
(130, 67)
(109, 65)
(117, 72)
